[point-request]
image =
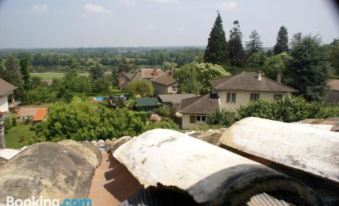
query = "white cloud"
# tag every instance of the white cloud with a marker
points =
(164, 1)
(228, 5)
(95, 8)
(151, 27)
(40, 8)
(128, 3)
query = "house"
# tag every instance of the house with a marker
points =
(147, 104)
(174, 100)
(40, 115)
(333, 94)
(6, 89)
(165, 84)
(144, 73)
(196, 109)
(230, 93)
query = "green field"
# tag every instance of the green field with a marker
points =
(19, 136)
(49, 76)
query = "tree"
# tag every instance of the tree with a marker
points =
(141, 88)
(194, 78)
(334, 55)
(275, 64)
(235, 47)
(10, 71)
(256, 60)
(24, 61)
(97, 72)
(308, 68)
(254, 45)
(282, 41)
(216, 51)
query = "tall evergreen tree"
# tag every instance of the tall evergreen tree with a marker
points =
(24, 62)
(235, 47)
(254, 45)
(216, 51)
(308, 69)
(282, 41)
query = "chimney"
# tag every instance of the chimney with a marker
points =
(171, 72)
(279, 77)
(155, 72)
(260, 75)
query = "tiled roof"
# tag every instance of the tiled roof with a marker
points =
(40, 114)
(165, 79)
(151, 73)
(147, 102)
(334, 84)
(249, 81)
(199, 105)
(5, 87)
(174, 98)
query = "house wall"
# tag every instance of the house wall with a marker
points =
(243, 98)
(185, 122)
(4, 104)
(162, 89)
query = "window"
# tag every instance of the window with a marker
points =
(254, 96)
(192, 119)
(201, 118)
(231, 98)
(174, 88)
(277, 96)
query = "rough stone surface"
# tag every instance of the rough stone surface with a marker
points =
(174, 159)
(297, 146)
(94, 149)
(48, 170)
(83, 151)
(2, 161)
(102, 145)
(211, 136)
(117, 143)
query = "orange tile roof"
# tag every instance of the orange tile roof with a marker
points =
(40, 114)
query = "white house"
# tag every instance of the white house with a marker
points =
(6, 89)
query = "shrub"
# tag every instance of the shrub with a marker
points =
(222, 118)
(258, 108)
(165, 124)
(164, 111)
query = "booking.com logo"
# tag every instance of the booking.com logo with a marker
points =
(11, 201)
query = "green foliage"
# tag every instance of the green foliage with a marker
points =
(80, 120)
(97, 72)
(256, 60)
(216, 51)
(40, 95)
(334, 55)
(164, 111)
(141, 88)
(194, 78)
(224, 118)
(288, 109)
(282, 41)
(235, 47)
(24, 62)
(165, 124)
(275, 64)
(254, 45)
(308, 69)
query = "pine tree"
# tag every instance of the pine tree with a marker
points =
(235, 47)
(254, 45)
(282, 41)
(216, 51)
(24, 61)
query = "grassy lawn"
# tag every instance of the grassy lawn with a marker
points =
(49, 76)
(19, 136)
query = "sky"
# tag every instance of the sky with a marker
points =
(134, 23)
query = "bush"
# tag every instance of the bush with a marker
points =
(141, 88)
(165, 124)
(164, 111)
(288, 109)
(224, 118)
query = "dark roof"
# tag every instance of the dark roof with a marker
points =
(249, 81)
(334, 84)
(166, 79)
(5, 88)
(147, 102)
(174, 98)
(199, 105)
